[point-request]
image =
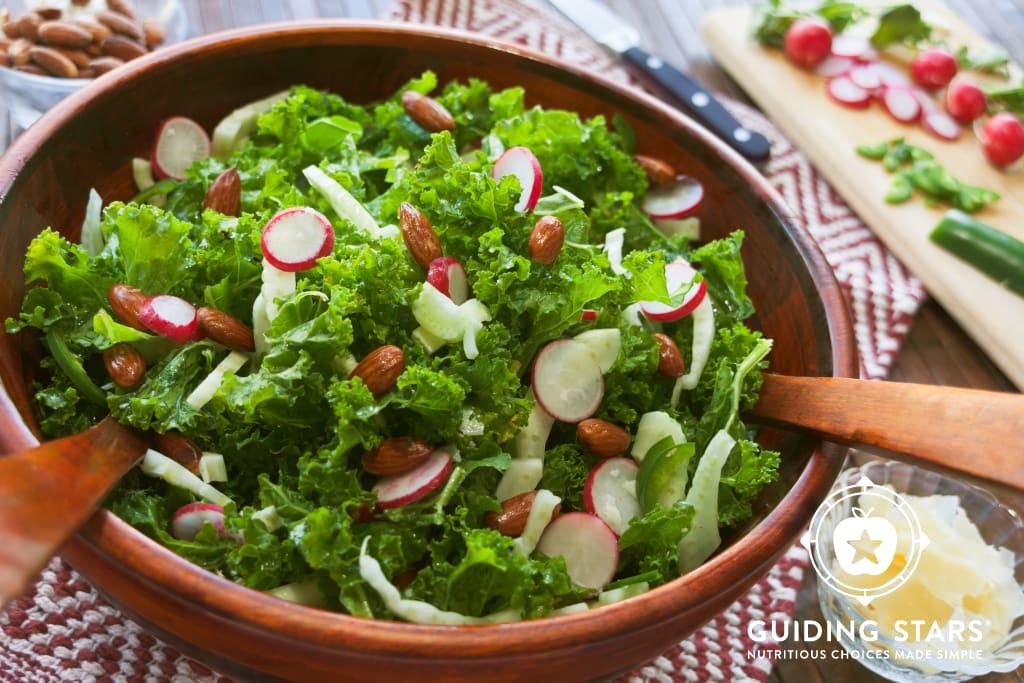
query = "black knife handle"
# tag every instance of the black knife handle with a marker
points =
(700, 104)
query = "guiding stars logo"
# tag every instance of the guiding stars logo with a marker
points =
(853, 539)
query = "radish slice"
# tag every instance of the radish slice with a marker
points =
(901, 104)
(567, 380)
(189, 519)
(521, 163)
(834, 66)
(889, 74)
(171, 317)
(866, 77)
(295, 238)
(925, 99)
(610, 493)
(675, 201)
(678, 276)
(941, 125)
(588, 315)
(408, 487)
(847, 93)
(589, 547)
(448, 276)
(853, 47)
(180, 143)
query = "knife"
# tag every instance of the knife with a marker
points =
(609, 30)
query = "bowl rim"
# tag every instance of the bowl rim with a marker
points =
(108, 535)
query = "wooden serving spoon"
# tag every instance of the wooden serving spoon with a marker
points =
(47, 492)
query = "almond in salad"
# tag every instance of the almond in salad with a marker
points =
(396, 455)
(602, 438)
(419, 235)
(124, 364)
(428, 113)
(670, 358)
(225, 194)
(659, 172)
(126, 302)
(225, 329)
(515, 511)
(380, 369)
(546, 240)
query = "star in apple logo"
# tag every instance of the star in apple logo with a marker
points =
(864, 544)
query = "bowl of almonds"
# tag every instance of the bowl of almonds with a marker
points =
(50, 48)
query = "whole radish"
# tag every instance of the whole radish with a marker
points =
(965, 100)
(1002, 139)
(933, 68)
(808, 41)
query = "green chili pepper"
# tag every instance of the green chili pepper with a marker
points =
(72, 367)
(991, 251)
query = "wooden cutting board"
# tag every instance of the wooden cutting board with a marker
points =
(828, 133)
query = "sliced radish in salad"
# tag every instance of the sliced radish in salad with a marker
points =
(588, 545)
(588, 315)
(678, 277)
(180, 143)
(610, 493)
(843, 90)
(189, 519)
(171, 317)
(567, 380)
(675, 201)
(295, 238)
(941, 125)
(408, 487)
(448, 276)
(520, 162)
(902, 104)
(833, 66)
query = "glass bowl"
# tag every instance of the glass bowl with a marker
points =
(25, 96)
(907, 660)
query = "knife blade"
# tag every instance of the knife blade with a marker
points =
(608, 29)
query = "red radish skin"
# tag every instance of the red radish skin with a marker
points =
(808, 41)
(171, 317)
(965, 100)
(853, 47)
(678, 276)
(293, 239)
(933, 68)
(678, 200)
(902, 104)
(941, 125)
(589, 315)
(1002, 139)
(179, 143)
(847, 93)
(188, 521)
(610, 493)
(448, 276)
(589, 547)
(567, 380)
(521, 162)
(409, 487)
(833, 66)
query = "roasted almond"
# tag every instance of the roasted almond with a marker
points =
(225, 329)
(18, 52)
(125, 364)
(101, 65)
(80, 58)
(4, 60)
(396, 455)
(119, 23)
(49, 13)
(380, 369)
(30, 69)
(123, 7)
(602, 438)
(153, 32)
(670, 358)
(419, 235)
(659, 172)
(28, 25)
(428, 113)
(126, 301)
(123, 48)
(546, 240)
(80, 3)
(515, 511)
(64, 33)
(10, 28)
(98, 31)
(87, 72)
(180, 449)
(225, 194)
(53, 62)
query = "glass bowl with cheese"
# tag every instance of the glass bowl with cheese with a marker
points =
(921, 574)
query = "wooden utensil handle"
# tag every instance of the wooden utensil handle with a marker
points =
(977, 432)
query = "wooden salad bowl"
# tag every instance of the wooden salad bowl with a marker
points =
(89, 141)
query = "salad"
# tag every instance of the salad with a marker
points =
(439, 359)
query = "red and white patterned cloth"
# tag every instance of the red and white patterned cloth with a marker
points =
(64, 631)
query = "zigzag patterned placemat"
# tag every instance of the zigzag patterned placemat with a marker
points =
(63, 630)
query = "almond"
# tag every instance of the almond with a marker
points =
(602, 438)
(123, 7)
(4, 60)
(53, 62)
(419, 235)
(428, 113)
(225, 329)
(10, 27)
(18, 52)
(64, 33)
(101, 65)
(225, 194)
(380, 369)
(180, 449)
(670, 358)
(515, 511)
(98, 31)
(80, 3)
(659, 172)
(126, 301)
(87, 72)
(123, 48)
(119, 23)
(80, 58)
(125, 365)
(28, 25)
(30, 69)
(49, 13)
(546, 240)
(396, 455)
(153, 31)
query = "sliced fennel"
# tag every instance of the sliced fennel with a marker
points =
(158, 465)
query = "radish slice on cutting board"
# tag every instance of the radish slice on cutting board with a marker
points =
(588, 545)
(678, 276)
(941, 125)
(520, 162)
(295, 238)
(408, 487)
(853, 47)
(610, 493)
(834, 66)
(448, 276)
(902, 104)
(171, 317)
(179, 143)
(843, 90)
(567, 380)
(678, 200)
